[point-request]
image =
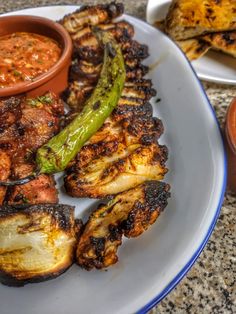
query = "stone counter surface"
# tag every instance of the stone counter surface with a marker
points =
(210, 286)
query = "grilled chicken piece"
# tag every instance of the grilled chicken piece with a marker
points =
(5, 171)
(38, 191)
(36, 242)
(133, 49)
(91, 15)
(123, 169)
(87, 47)
(129, 213)
(28, 124)
(10, 114)
(136, 92)
(136, 130)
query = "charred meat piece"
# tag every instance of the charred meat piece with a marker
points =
(28, 124)
(77, 93)
(38, 191)
(136, 73)
(129, 213)
(86, 46)
(136, 92)
(85, 70)
(129, 107)
(133, 49)
(31, 124)
(10, 114)
(92, 15)
(105, 142)
(36, 242)
(125, 168)
(5, 171)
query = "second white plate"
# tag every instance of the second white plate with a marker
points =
(214, 66)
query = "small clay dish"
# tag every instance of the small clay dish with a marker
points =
(230, 135)
(55, 79)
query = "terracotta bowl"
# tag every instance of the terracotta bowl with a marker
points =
(230, 136)
(55, 79)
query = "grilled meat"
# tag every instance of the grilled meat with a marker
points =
(123, 153)
(26, 124)
(86, 46)
(91, 15)
(126, 167)
(36, 242)
(135, 130)
(117, 156)
(38, 191)
(5, 170)
(129, 213)
(31, 123)
(88, 54)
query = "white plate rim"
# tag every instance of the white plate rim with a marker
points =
(154, 301)
(202, 76)
(147, 307)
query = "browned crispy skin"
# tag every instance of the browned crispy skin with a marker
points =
(86, 46)
(26, 124)
(92, 15)
(124, 168)
(124, 152)
(38, 191)
(5, 170)
(129, 213)
(88, 57)
(136, 130)
(37, 242)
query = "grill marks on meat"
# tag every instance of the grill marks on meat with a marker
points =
(86, 45)
(28, 124)
(88, 54)
(38, 191)
(124, 152)
(123, 158)
(91, 15)
(129, 213)
(126, 167)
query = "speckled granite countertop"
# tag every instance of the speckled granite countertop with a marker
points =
(210, 286)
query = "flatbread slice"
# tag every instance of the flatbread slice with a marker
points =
(191, 18)
(194, 48)
(225, 42)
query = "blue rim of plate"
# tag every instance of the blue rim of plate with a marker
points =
(174, 282)
(191, 262)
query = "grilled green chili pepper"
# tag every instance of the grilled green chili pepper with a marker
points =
(55, 155)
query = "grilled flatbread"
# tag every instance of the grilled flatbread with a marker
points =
(194, 48)
(225, 42)
(191, 18)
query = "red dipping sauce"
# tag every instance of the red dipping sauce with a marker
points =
(24, 56)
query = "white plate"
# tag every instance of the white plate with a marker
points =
(213, 66)
(150, 266)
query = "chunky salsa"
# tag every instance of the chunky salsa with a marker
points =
(24, 56)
